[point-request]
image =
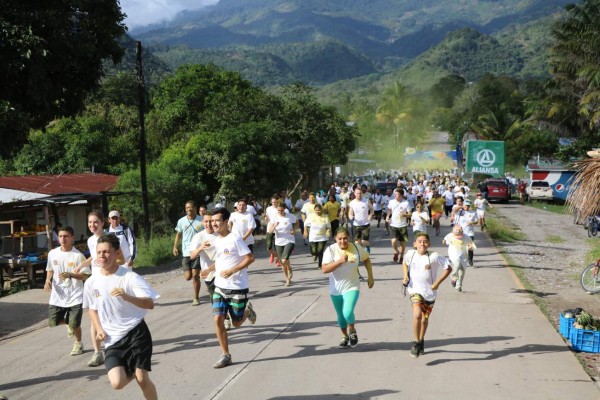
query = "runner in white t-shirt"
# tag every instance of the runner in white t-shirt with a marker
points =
(318, 231)
(242, 223)
(481, 205)
(270, 215)
(341, 262)
(232, 258)
(423, 272)
(96, 226)
(118, 299)
(398, 212)
(360, 210)
(66, 286)
(283, 225)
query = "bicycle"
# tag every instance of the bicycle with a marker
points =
(590, 278)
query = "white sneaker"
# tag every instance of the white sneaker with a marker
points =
(96, 360)
(77, 349)
(228, 324)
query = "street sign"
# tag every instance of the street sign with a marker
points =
(485, 157)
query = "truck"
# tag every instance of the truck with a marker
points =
(539, 190)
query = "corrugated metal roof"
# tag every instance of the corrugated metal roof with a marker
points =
(60, 184)
(10, 195)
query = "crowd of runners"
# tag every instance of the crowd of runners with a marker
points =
(217, 247)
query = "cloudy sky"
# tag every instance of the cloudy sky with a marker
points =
(144, 12)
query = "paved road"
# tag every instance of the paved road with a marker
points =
(489, 342)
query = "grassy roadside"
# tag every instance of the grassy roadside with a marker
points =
(500, 230)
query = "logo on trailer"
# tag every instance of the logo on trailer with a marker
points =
(486, 158)
(559, 187)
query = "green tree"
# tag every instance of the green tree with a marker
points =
(52, 55)
(572, 107)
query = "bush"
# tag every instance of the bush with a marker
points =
(156, 251)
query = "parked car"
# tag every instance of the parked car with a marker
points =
(539, 190)
(498, 190)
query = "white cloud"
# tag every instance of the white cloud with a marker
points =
(145, 12)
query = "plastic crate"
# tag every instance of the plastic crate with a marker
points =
(565, 325)
(585, 340)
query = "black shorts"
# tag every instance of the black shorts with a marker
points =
(400, 233)
(270, 238)
(69, 315)
(362, 232)
(284, 252)
(133, 351)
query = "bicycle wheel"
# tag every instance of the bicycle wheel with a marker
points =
(590, 279)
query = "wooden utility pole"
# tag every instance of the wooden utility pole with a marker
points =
(141, 108)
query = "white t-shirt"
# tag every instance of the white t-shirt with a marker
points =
(424, 270)
(377, 202)
(242, 223)
(419, 221)
(361, 211)
(271, 217)
(344, 199)
(229, 252)
(397, 209)
(207, 256)
(481, 205)
(284, 229)
(385, 202)
(68, 292)
(345, 278)
(117, 316)
(457, 246)
(126, 240)
(92, 242)
(467, 220)
(308, 209)
(449, 197)
(318, 228)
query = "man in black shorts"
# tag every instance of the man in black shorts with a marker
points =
(118, 299)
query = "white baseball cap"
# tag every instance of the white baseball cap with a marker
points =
(114, 213)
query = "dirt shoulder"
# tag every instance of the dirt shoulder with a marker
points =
(551, 258)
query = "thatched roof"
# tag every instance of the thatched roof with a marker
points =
(584, 194)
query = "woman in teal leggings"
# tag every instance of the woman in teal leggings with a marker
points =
(341, 261)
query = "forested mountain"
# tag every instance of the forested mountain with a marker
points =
(274, 42)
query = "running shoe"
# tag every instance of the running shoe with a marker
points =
(459, 289)
(251, 313)
(228, 324)
(77, 349)
(224, 361)
(396, 255)
(401, 259)
(195, 302)
(96, 360)
(453, 282)
(271, 259)
(278, 263)
(353, 339)
(471, 263)
(415, 350)
(344, 342)
(70, 331)
(422, 347)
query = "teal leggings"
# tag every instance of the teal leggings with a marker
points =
(344, 307)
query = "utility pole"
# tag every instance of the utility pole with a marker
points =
(142, 139)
